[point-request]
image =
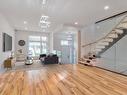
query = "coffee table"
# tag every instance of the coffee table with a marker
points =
(28, 62)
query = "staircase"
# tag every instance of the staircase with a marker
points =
(98, 47)
(113, 37)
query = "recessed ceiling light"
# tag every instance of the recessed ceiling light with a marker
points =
(76, 23)
(44, 2)
(106, 7)
(25, 22)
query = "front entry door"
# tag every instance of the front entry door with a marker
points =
(66, 57)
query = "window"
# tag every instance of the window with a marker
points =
(37, 45)
(44, 38)
(44, 47)
(64, 42)
(34, 48)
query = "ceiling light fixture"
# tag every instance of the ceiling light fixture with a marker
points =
(25, 22)
(44, 2)
(76, 23)
(106, 7)
(44, 23)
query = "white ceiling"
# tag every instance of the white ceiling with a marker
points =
(61, 12)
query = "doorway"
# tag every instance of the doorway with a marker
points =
(66, 44)
(67, 52)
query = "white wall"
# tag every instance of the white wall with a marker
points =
(5, 28)
(121, 55)
(87, 36)
(23, 35)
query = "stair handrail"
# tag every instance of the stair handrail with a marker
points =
(104, 36)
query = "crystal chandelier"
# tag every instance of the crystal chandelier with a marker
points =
(44, 2)
(44, 23)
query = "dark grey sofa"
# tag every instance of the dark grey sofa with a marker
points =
(50, 59)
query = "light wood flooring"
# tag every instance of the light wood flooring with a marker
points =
(63, 80)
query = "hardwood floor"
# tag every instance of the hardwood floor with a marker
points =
(63, 80)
